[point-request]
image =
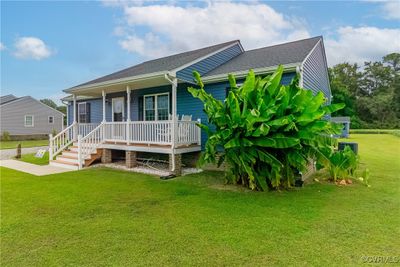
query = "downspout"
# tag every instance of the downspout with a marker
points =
(174, 82)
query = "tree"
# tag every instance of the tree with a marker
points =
(371, 93)
(49, 103)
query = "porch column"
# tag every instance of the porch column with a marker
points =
(75, 129)
(128, 111)
(174, 113)
(103, 93)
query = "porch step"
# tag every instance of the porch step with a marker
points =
(68, 159)
(63, 164)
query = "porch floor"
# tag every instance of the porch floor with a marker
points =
(155, 148)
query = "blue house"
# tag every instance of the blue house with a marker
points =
(147, 109)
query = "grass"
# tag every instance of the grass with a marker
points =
(30, 158)
(98, 217)
(24, 144)
(395, 132)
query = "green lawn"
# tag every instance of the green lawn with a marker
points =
(102, 217)
(30, 158)
(25, 143)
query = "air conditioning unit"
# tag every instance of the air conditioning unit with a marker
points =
(353, 146)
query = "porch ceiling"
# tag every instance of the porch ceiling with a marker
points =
(119, 86)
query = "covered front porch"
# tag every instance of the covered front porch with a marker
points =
(122, 117)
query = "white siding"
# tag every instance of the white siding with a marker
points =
(12, 117)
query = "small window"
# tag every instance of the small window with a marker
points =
(29, 121)
(51, 119)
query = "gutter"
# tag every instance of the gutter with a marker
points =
(242, 74)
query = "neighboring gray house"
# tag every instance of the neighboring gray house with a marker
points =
(28, 117)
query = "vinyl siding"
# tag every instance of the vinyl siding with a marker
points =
(13, 117)
(209, 63)
(315, 72)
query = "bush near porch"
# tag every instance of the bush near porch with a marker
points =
(107, 217)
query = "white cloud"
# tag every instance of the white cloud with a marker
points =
(2, 46)
(172, 29)
(361, 44)
(31, 48)
(392, 9)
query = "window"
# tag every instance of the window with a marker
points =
(51, 119)
(83, 113)
(156, 107)
(29, 121)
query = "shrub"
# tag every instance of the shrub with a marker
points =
(266, 132)
(342, 163)
(5, 136)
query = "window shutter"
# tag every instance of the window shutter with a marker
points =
(140, 111)
(87, 112)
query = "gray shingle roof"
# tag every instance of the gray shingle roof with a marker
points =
(7, 98)
(286, 53)
(161, 64)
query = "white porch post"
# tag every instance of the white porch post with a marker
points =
(174, 113)
(103, 93)
(128, 111)
(75, 129)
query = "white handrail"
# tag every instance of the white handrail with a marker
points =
(60, 141)
(89, 143)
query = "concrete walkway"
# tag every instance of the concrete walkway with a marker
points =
(11, 153)
(33, 169)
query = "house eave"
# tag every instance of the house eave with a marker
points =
(115, 82)
(241, 74)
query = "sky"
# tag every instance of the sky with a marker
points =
(48, 46)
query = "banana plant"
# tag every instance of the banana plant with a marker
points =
(264, 131)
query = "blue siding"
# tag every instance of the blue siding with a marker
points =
(315, 73)
(209, 63)
(193, 106)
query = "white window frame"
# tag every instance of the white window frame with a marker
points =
(33, 120)
(155, 105)
(52, 119)
(123, 107)
(79, 117)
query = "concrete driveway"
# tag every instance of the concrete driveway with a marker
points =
(11, 153)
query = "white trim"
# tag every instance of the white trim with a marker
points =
(48, 119)
(117, 81)
(33, 121)
(309, 54)
(78, 113)
(112, 107)
(174, 71)
(243, 73)
(155, 105)
(103, 95)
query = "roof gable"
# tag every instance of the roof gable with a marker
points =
(281, 54)
(7, 98)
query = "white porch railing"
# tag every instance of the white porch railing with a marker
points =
(91, 135)
(60, 141)
(152, 132)
(89, 143)
(85, 128)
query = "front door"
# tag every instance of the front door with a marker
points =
(118, 109)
